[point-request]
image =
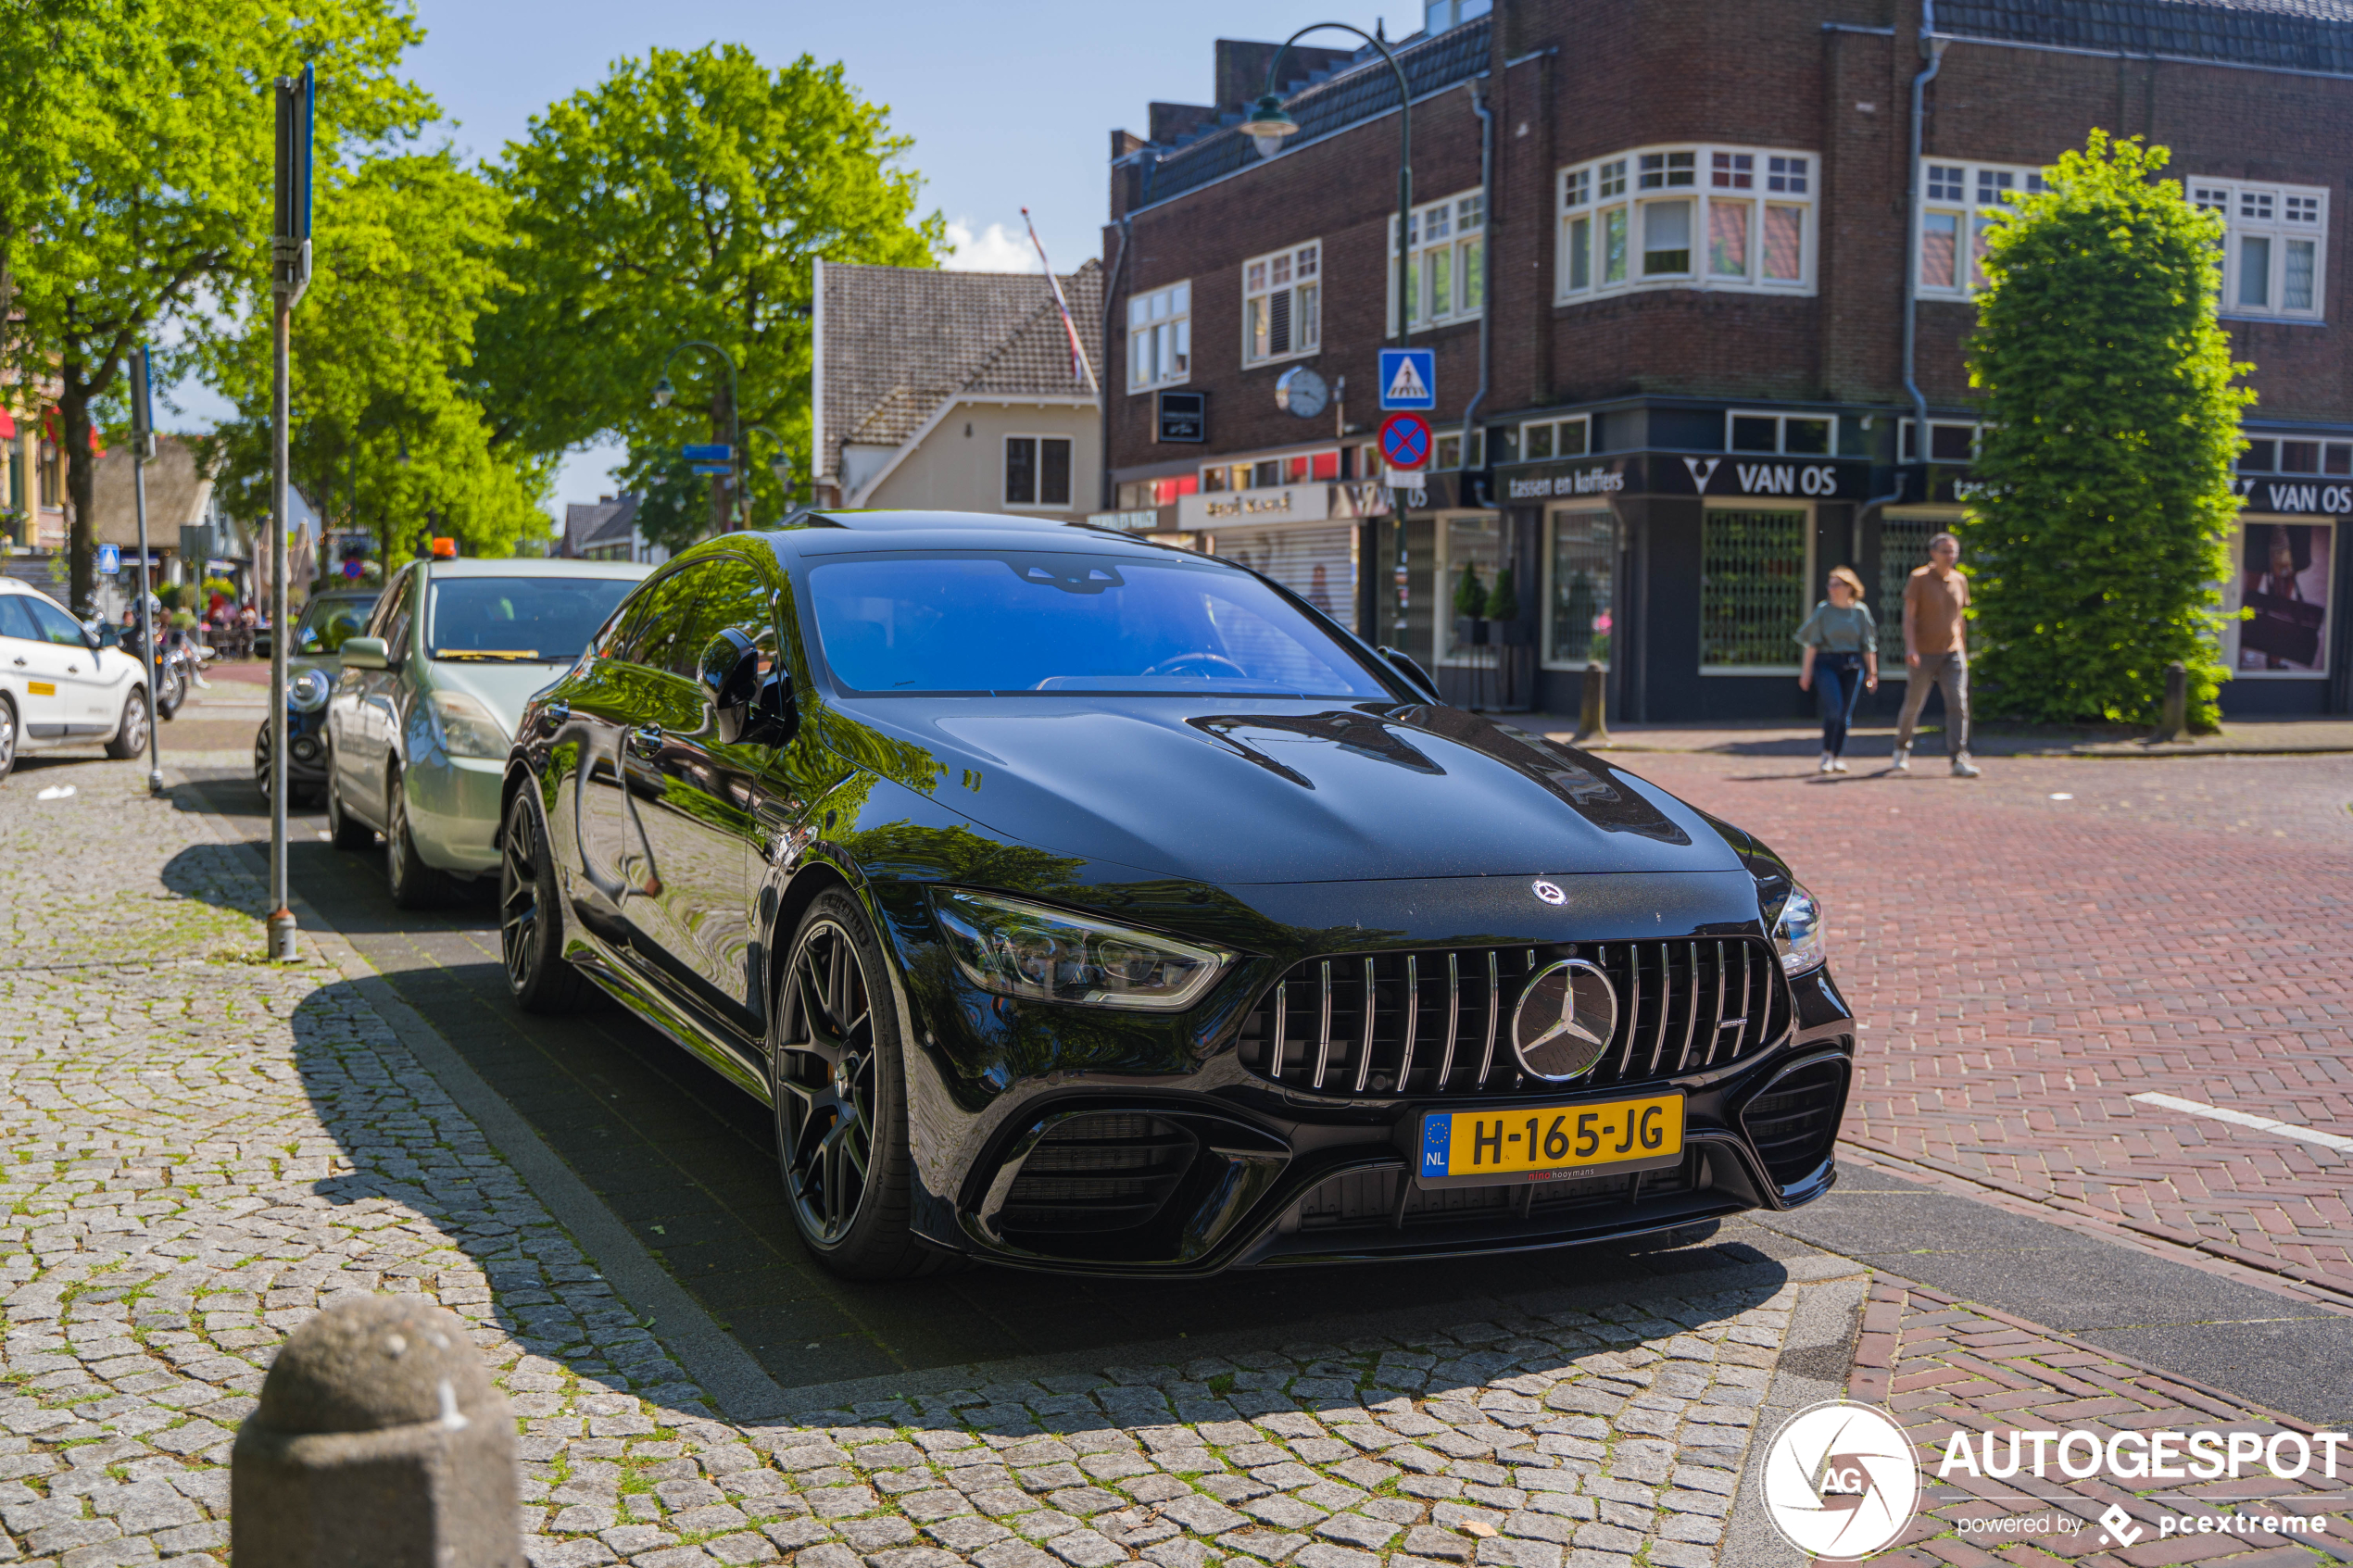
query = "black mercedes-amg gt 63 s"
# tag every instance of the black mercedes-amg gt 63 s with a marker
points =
(1083, 903)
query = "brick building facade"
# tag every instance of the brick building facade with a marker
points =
(1661, 250)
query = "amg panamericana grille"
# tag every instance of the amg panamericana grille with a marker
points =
(1437, 1021)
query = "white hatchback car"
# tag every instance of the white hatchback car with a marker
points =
(62, 684)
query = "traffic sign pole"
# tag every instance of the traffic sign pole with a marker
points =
(143, 436)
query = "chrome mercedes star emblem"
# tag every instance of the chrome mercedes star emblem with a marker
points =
(1549, 892)
(1564, 1021)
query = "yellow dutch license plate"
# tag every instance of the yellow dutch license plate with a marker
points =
(1555, 1142)
(40, 688)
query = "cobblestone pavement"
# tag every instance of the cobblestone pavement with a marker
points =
(206, 1149)
(2028, 951)
(1940, 1366)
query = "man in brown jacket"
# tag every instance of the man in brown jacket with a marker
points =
(1937, 653)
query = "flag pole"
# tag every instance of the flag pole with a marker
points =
(1079, 367)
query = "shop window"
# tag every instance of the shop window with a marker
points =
(1570, 437)
(1318, 564)
(1796, 435)
(1580, 562)
(1160, 337)
(2283, 570)
(1037, 471)
(1282, 304)
(2266, 454)
(1752, 589)
(1728, 217)
(1445, 261)
(2272, 245)
(1157, 492)
(1961, 204)
(1477, 542)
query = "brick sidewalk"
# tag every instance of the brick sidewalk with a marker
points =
(2022, 965)
(1939, 1365)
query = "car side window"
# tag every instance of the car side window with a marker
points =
(55, 625)
(732, 596)
(653, 636)
(15, 621)
(393, 616)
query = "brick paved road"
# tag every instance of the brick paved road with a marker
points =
(2025, 964)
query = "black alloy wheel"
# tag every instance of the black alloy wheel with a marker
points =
(531, 917)
(8, 738)
(840, 1094)
(343, 831)
(131, 735)
(413, 884)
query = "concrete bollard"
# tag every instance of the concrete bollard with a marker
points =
(379, 1440)
(2176, 720)
(1592, 721)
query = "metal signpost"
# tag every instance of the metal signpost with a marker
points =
(289, 275)
(143, 446)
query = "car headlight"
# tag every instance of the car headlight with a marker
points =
(1798, 933)
(307, 693)
(467, 727)
(1018, 949)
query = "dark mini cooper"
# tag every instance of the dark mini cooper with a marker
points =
(1086, 904)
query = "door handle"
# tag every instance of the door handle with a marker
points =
(20, 663)
(645, 740)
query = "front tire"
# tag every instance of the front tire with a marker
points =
(530, 916)
(171, 690)
(7, 736)
(413, 884)
(131, 735)
(839, 1083)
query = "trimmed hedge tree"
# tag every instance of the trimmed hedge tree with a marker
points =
(2100, 533)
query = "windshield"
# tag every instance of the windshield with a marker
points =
(967, 623)
(327, 623)
(519, 620)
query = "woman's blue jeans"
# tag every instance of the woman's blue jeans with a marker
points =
(1838, 682)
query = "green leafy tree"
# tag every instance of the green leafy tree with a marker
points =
(685, 198)
(386, 434)
(151, 200)
(2100, 536)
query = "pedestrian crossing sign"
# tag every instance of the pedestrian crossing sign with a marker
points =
(1408, 378)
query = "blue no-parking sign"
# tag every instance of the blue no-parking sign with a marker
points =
(1408, 378)
(109, 559)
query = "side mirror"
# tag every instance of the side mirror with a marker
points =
(110, 635)
(1415, 676)
(366, 653)
(730, 668)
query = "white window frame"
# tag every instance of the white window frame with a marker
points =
(1216, 479)
(1550, 658)
(1160, 337)
(1623, 188)
(1781, 418)
(1038, 455)
(1449, 453)
(1453, 230)
(2277, 217)
(1985, 190)
(1906, 452)
(1287, 264)
(2342, 451)
(1580, 426)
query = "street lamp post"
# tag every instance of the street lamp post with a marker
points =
(1268, 126)
(664, 392)
(780, 465)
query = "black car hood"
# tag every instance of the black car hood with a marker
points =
(1237, 791)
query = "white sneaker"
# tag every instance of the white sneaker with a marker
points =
(1964, 769)
(1838, 765)
(1903, 763)
(1829, 764)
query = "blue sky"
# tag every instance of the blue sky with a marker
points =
(1010, 107)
